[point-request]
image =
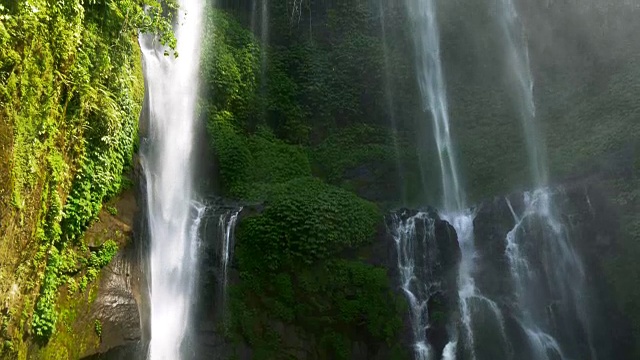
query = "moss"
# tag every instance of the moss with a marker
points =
(621, 269)
(291, 272)
(231, 64)
(70, 94)
(75, 331)
(372, 162)
(351, 147)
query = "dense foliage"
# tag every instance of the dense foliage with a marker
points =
(324, 81)
(304, 221)
(290, 272)
(70, 94)
(290, 255)
(331, 306)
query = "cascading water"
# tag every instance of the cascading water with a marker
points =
(557, 277)
(427, 257)
(414, 274)
(227, 227)
(549, 281)
(174, 215)
(519, 72)
(472, 301)
(433, 89)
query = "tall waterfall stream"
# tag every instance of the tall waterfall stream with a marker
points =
(174, 214)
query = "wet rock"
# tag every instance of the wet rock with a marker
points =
(436, 258)
(116, 306)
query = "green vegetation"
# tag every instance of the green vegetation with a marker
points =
(304, 221)
(112, 210)
(291, 272)
(70, 94)
(97, 326)
(318, 125)
(372, 162)
(75, 327)
(294, 276)
(331, 305)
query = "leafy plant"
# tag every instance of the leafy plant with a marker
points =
(112, 210)
(97, 327)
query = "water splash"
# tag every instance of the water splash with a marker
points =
(432, 85)
(463, 223)
(472, 301)
(449, 352)
(544, 346)
(173, 214)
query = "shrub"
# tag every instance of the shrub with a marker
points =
(304, 221)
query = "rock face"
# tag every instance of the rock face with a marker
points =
(119, 298)
(590, 224)
(584, 207)
(429, 246)
(121, 303)
(116, 305)
(208, 340)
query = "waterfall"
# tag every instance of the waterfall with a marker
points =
(450, 351)
(519, 72)
(432, 86)
(260, 27)
(227, 227)
(557, 276)
(174, 215)
(549, 281)
(434, 94)
(415, 255)
(264, 38)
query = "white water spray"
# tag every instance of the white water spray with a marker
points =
(173, 214)
(559, 272)
(449, 352)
